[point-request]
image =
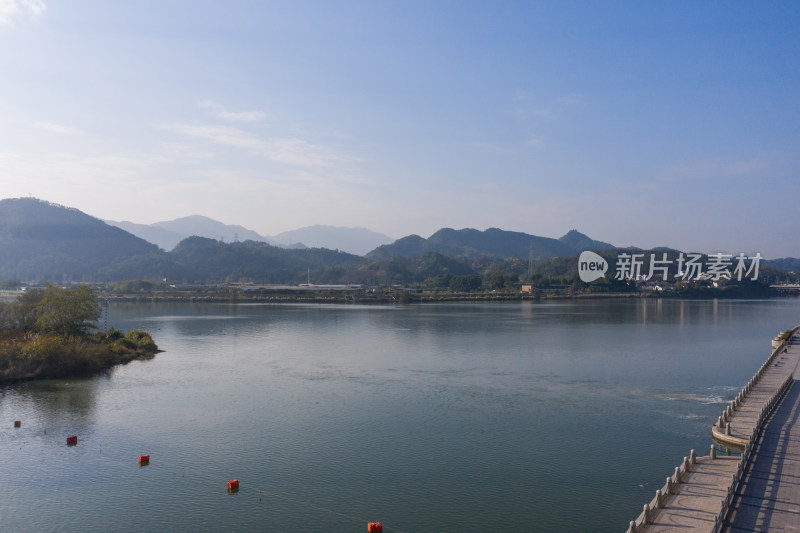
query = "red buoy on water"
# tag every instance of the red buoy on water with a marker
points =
(144, 459)
(375, 527)
(233, 485)
(17, 423)
(72, 440)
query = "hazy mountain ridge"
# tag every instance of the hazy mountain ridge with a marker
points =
(167, 234)
(161, 237)
(580, 242)
(202, 226)
(358, 241)
(44, 241)
(784, 264)
(41, 240)
(492, 242)
(207, 260)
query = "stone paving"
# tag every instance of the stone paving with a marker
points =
(698, 499)
(768, 498)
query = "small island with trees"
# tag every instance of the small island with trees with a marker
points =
(51, 332)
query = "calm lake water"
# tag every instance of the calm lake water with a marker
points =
(561, 416)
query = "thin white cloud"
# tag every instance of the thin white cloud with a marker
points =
(35, 7)
(12, 9)
(535, 141)
(223, 135)
(572, 99)
(60, 129)
(186, 151)
(490, 148)
(292, 151)
(748, 168)
(77, 180)
(233, 116)
(84, 168)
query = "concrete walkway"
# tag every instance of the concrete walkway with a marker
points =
(698, 499)
(745, 418)
(768, 498)
(769, 495)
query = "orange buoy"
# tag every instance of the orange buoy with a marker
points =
(72, 440)
(233, 484)
(144, 459)
(375, 527)
(17, 423)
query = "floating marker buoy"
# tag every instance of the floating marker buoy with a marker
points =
(233, 485)
(375, 527)
(144, 459)
(17, 423)
(72, 440)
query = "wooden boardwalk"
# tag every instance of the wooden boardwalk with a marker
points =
(763, 491)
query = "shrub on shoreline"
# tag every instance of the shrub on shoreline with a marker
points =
(37, 356)
(45, 333)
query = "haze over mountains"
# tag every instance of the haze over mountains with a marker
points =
(490, 243)
(43, 241)
(46, 241)
(169, 233)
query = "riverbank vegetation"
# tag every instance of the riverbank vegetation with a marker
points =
(52, 332)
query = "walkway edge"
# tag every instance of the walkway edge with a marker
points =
(721, 433)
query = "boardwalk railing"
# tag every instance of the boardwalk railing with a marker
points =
(662, 494)
(748, 449)
(682, 471)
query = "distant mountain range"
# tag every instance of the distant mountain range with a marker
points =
(40, 240)
(168, 234)
(358, 241)
(492, 243)
(43, 241)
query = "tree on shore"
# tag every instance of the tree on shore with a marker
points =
(22, 313)
(71, 312)
(67, 312)
(47, 333)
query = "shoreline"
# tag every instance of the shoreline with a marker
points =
(50, 357)
(404, 297)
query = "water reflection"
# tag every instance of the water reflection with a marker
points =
(52, 407)
(429, 417)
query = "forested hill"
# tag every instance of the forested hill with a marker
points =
(203, 260)
(40, 240)
(493, 242)
(786, 264)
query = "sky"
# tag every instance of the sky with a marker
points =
(638, 123)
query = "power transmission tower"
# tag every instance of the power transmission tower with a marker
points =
(530, 261)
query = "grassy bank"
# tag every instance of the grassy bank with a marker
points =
(45, 355)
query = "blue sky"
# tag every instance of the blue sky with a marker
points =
(638, 123)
